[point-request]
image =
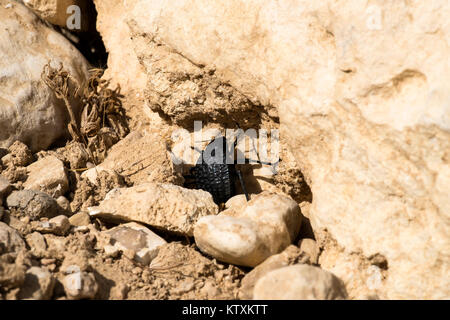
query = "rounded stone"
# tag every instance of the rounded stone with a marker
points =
(299, 282)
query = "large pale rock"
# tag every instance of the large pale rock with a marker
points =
(47, 175)
(362, 91)
(299, 282)
(265, 226)
(164, 206)
(29, 111)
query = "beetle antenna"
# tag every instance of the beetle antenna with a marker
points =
(241, 180)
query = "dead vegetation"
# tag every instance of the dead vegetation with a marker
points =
(103, 121)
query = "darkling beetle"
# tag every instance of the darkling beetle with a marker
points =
(214, 174)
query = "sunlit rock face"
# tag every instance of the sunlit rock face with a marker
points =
(362, 90)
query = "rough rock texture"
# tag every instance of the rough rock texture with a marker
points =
(47, 175)
(18, 155)
(362, 92)
(139, 157)
(248, 235)
(165, 206)
(299, 282)
(32, 204)
(29, 111)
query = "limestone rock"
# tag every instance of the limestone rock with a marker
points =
(32, 204)
(265, 226)
(115, 32)
(80, 219)
(141, 157)
(38, 284)
(58, 225)
(299, 282)
(29, 110)
(291, 255)
(362, 92)
(136, 240)
(164, 206)
(232, 240)
(37, 244)
(47, 175)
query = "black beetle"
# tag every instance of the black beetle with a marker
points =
(212, 172)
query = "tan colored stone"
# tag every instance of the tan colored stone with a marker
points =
(58, 225)
(80, 285)
(64, 203)
(248, 235)
(18, 155)
(136, 238)
(80, 219)
(310, 248)
(299, 282)
(36, 242)
(142, 157)
(47, 175)
(291, 255)
(164, 206)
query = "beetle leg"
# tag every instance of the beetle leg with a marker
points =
(241, 180)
